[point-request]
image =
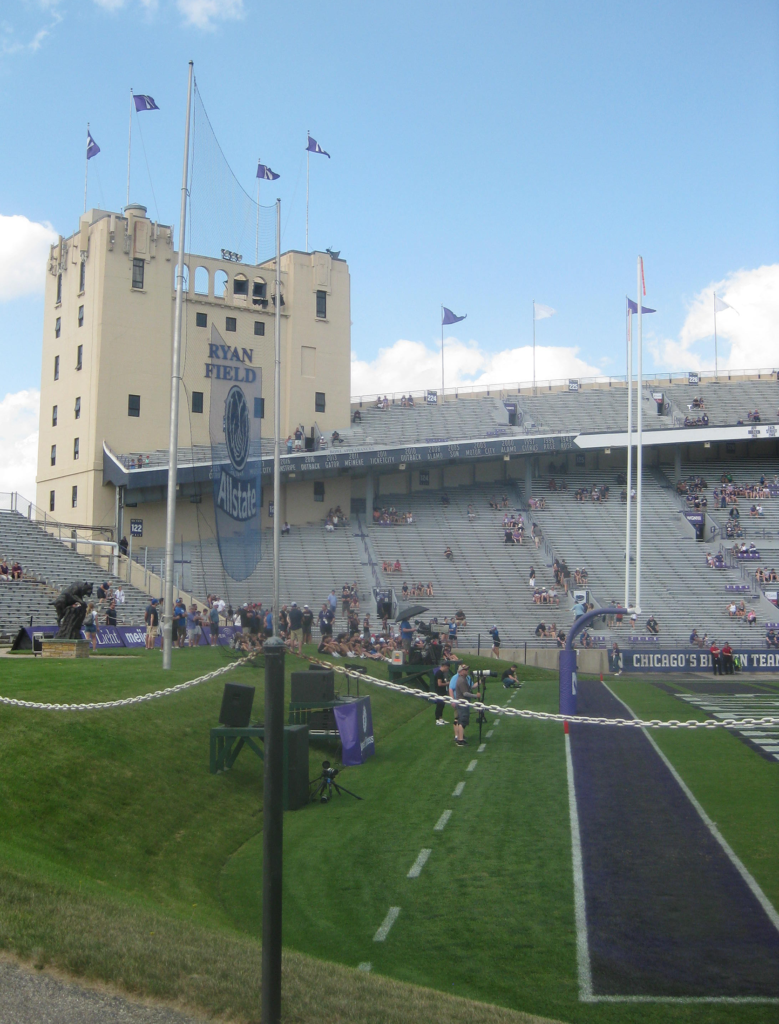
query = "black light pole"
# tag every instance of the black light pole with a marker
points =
(272, 829)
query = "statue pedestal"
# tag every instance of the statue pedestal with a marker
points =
(53, 648)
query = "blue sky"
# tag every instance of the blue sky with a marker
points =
(482, 155)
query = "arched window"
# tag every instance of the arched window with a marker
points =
(220, 285)
(201, 281)
(241, 285)
(259, 291)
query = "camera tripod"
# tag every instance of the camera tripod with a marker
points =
(326, 783)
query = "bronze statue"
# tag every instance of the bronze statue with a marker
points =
(71, 610)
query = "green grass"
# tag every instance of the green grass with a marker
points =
(122, 858)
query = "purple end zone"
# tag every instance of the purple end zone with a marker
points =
(667, 912)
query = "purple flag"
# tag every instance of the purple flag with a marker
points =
(266, 173)
(450, 318)
(145, 103)
(633, 307)
(92, 147)
(314, 147)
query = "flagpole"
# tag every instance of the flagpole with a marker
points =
(629, 340)
(534, 346)
(175, 389)
(257, 232)
(277, 426)
(86, 170)
(442, 355)
(308, 167)
(716, 365)
(639, 439)
(129, 146)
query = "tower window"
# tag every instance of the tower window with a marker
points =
(54, 455)
(133, 405)
(259, 328)
(58, 327)
(240, 286)
(321, 305)
(54, 415)
(138, 273)
(77, 408)
(197, 401)
(82, 276)
(201, 319)
(59, 288)
(81, 316)
(76, 447)
(51, 501)
(74, 496)
(231, 324)
(319, 401)
(259, 290)
(259, 408)
(79, 357)
(56, 367)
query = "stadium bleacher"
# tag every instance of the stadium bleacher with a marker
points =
(49, 565)
(589, 410)
(728, 402)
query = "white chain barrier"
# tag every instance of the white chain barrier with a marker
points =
(125, 702)
(545, 716)
(495, 709)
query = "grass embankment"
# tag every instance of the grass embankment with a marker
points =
(122, 859)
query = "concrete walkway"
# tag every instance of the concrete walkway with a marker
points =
(28, 996)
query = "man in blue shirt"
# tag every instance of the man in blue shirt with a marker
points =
(406, 633)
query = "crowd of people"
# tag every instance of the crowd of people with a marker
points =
(335, 517)
(391, 516)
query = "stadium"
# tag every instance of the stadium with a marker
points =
(596, 843)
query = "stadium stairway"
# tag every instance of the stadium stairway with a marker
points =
(676, 584)
(52, 564)
(488, 579)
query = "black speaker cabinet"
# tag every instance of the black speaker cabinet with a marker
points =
(311, 687)
(297, 766)
(237, 701)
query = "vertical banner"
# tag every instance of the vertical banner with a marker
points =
(234, 425)
(355, 726)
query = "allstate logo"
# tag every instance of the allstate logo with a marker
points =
(237, 428)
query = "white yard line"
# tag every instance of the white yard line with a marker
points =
(489, 734)
(458, 789)
(416, 868)
(440, 825)
(734, 859)
(679, 999)
(481, 748)
(472, 765)
(387, 923)
(580, 909)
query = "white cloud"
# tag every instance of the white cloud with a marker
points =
(412, 366)
(24, 247)
(19, 442)
(10, 44)
(746, 340)
(203, 13)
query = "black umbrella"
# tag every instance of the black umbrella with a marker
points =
(410, 612)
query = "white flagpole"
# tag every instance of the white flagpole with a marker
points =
(86, 170)
(629, 338)
(129, 147)
(308, 167)
(175, 390)
(639, 439)
(257, 232)
(277, 427)
(716, 365)
(442, 355)
(534, 346)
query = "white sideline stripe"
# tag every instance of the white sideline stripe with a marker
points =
(416, 868)
(386, 924)
(680, 999)
(730, 853)
(472, 765)
(458, 789)
(496, 723)
(441, 823)
(579, 906)
(481, 748)
(366, 965)
(489, 734)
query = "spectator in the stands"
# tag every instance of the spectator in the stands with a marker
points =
(532, 578)
(732, 610)
(771, 638)
(285, 529)
(578, 610)
(541, 629)
(696, 640)
(357, 417)
(103, 591)
(5, 572)
(652, 625)
(752, 617)
(429, 590)
(448, 553)
(123, 546)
